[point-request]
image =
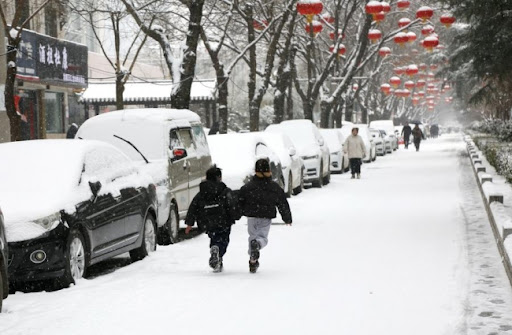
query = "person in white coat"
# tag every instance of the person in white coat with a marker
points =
(356, 150)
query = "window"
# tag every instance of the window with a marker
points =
(200, 140)
(182, 138)
(54, 112)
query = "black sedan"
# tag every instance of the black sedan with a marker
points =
(4, 256)
(71, 204)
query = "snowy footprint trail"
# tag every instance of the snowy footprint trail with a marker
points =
(400, 251)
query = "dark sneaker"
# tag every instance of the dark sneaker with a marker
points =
(214, 258)
(353, 177)
(219, 267)
(255, 250)
(253, 267)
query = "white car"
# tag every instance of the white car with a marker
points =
(291, 163)
(335, 140)
(311, 147)
(380, 142)
(236, 155)
(389, 128)
(388, 141)
(364, 132)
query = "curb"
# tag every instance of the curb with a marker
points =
(493, 202)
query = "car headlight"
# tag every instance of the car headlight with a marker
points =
(310, 157)
(49, 222)
(335, 153)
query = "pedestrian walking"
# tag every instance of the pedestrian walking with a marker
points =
(258, 200)
(356, 150)
(417, 136)
(406, 134)
(214, 209)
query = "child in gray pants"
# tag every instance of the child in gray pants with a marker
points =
(258, 200)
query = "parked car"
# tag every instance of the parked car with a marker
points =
(174, 146)
(398, 134)
(388, 141)
(84, 203)
(236, 155)
(311, 147)
(389, 128)
(364, 132)
(335, 141)
(291, 163)
(380, 142)
(4, 261)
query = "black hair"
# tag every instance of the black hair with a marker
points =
(214, 173)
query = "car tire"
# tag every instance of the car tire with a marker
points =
(319, 182)
(75, 259)
(149, 240)
(327, 179)
(289, 192)
(168, 234)
(300, 188)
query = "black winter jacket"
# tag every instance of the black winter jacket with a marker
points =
(213, 207)
(406, 131)
(260, 197)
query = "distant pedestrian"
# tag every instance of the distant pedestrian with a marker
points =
(417, 136)
(406, 133)
(214, 209)
(434, 131)
(72, 130)
(356, 150)
(258, 200)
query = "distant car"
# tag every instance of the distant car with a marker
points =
(379, 140)
(335, 140)
(174, 144)
(311, 147)
(291, 163)
(84, 203)
(4, 262)
(388, 141)
(236, 154)
(364, 132)
(398, 133)
(389, 128)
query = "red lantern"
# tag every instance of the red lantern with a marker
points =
(415, 101)
(341, 50)
(404, 22)
(402, 93)
(379, 17)
(427, 30)
(409, 85)
(433, 67)
(385, 88)
(373, 8)
(430, 43)
(355, 87)
(374, 35)
(423, 67)
(332, 35)
(386, 8)
(401, 38)
(384, 51)
(260, 25)
(310, 8)
(395, 81)
(421, 94)
(447, 20)
(403, 4)
(327, 18)
(420, 83)
(316, 27)
(399, 71)
(411, 70)
(412, 37)
(424, 13)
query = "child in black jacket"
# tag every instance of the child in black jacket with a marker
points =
(258, 200)
(214, 209)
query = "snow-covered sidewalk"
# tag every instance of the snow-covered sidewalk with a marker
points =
(405, 250)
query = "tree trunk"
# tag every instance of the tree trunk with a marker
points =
(119, 92)
(254, 115)
(325, 113)
(338, 115)
(222, 99)
(180, 97)
(10, 80)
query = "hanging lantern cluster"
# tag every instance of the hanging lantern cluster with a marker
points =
(447, 20)
(310, 8)
(314, 27)
(341, 49)
(424, 13)
(403, 4)
(395, 81)
(374, 35)
(384, 51)
(385, 88)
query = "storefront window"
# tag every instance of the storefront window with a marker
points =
(54, 116)
(26, 105)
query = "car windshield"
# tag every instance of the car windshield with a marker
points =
(301, 136)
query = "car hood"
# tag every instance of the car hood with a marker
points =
(309, 150)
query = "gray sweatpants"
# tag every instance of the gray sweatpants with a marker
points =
(258, 229)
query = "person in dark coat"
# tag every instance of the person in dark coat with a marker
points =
(258, 200)
(72, 130)
(434, 131)
(417, 136)
(406, 133)
(214, 209)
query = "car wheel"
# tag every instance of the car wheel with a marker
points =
(300, 188)
(319, 182)
(327, 179)
(75, 259)
(169, 232)
(289, 193)
(148, 240)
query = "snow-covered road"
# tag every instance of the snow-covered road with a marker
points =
(405, 250)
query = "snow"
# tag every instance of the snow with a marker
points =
(301, 133)
(359, 259)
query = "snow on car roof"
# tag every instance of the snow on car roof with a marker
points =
(149, 115)
(333, 138)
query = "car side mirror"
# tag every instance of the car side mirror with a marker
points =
(95, 188)
(178, 153)
(292, 151)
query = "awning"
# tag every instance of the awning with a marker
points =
(144, 92)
